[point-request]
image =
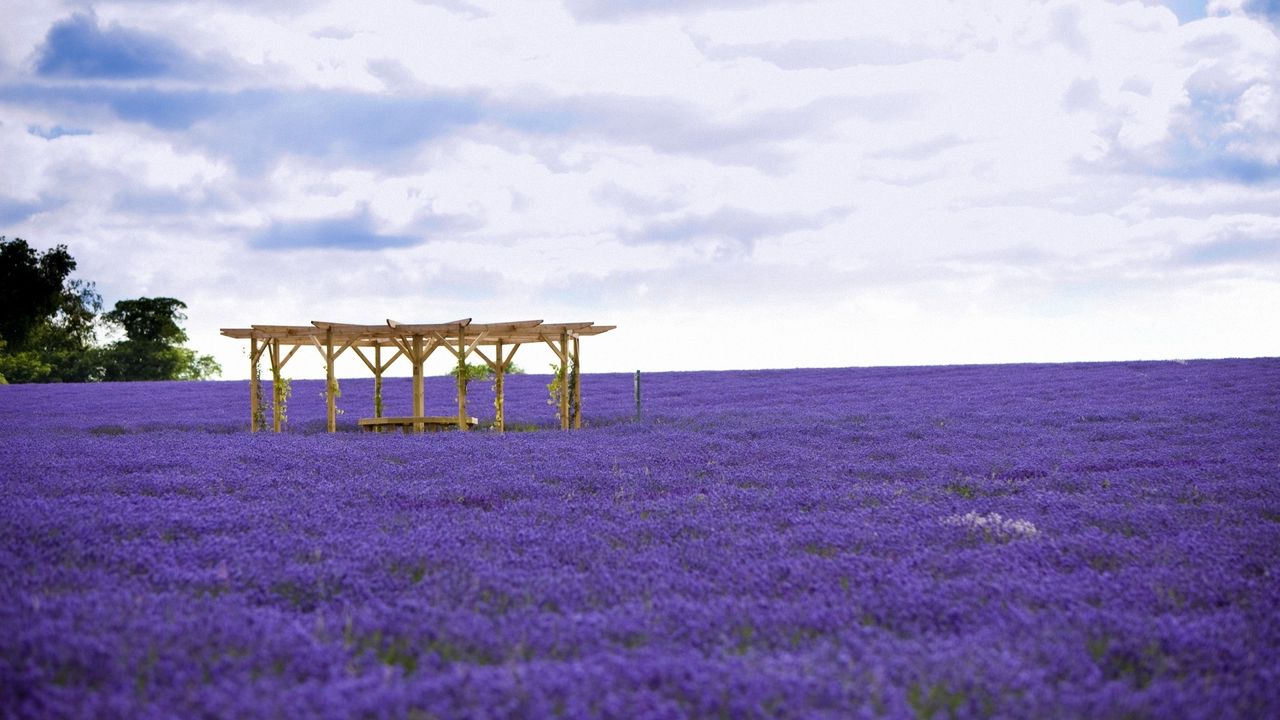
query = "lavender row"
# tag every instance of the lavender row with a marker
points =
(1097, 392)
(1095, 540)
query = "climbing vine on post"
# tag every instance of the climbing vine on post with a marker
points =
(553, 388)
(573, 393)
(511, 369)
(259, 411)
(562, 376)
(280, 401)
(337, 393)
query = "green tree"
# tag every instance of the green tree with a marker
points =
(49, 326)
(47, 321)
(67, 340)
(150, 319)
(31, 288)
(152, 348)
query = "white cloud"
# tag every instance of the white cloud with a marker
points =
(1001, 181)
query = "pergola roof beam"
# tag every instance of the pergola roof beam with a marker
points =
(386, 335)
(428, 328)
(506, 327)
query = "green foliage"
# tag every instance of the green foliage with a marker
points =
(337, 394)
(132, 360)
(150, 319)
(151, 349)
(31, 286)
(49, 324)
(283, 391)
(67, 339)
(560, 376)
(938, 701)
(24, 367)
(259, 413)
(476, 371)
(471, 372)
(553, 388)
(198, 367)
(73, 325)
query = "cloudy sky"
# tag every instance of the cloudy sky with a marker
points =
(735, 183)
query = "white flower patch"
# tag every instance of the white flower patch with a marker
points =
(994, 525)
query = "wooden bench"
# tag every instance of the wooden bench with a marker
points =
(407, 424)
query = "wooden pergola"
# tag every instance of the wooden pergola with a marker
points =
(416, 343)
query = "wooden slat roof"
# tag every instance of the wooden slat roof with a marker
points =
(407, 329)
(519, 331)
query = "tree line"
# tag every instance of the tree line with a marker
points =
(50, 325)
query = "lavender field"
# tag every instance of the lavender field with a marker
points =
(1091, 540)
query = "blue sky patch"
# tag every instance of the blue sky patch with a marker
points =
(13, 212)
(78, 48)
(1245, 250)
(255, 126)
(1187, 10)
(161, 109)
(1266, 8)
(350, 233)
(56, 131)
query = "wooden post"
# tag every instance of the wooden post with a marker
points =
(576, 382)
(499, 372)
(419, 402)
(255, 386)
(330, 401)
(462, 379)
(564, 379)
(377, 381)
(277, 388)
(637, 396)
